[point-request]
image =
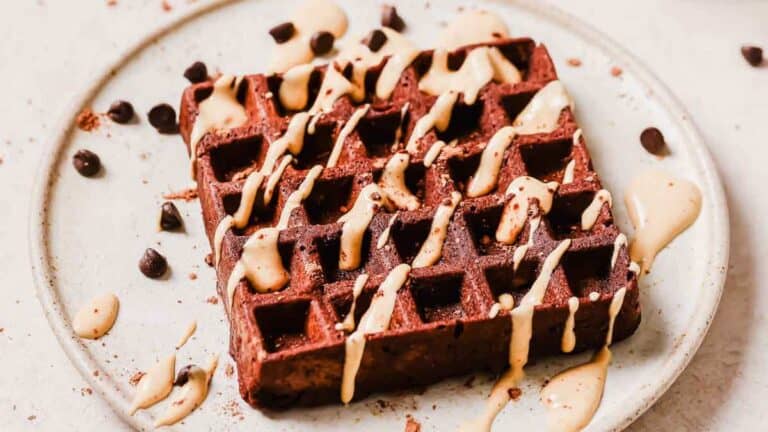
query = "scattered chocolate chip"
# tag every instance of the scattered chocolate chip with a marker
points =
(163, 118)
(120, 112)
(197, 72)
(321, 42)
(86, 162)
(653, 141)
(183, 376)
(390, 18)
(170, 219)
(152, 264)
(282, 32)
(375, 40)
(752, 54)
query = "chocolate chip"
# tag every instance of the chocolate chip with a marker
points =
(183, 375)
(197, 72)
(152, 264)
(163, 118)
(752, 54)
(170, 219)
(375, 40)
(282, 32)
(653, 141)
(321, 42)
(86, 162)
(390, 18)
(120, 112)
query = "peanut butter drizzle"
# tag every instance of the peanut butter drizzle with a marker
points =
(543, 111)
(434, 151)
(590, 214)
(439, 117)
(432, 248)
(393, 183)
(218, 237)
(522, 317)
(398, 48)
(481, 65)
(472, 27)
(660, 208)
(269, 189)
(220, 111)
(348, 324)
(191, 328)
(515, 212)
(295, 199)
(355, 222)
(97, 317)
(618, 243)
(573, 396)
(376, 319)
(155, 385)
(568, 341)
(333, 87)
(384, 237)
(487, 173)
(571, 167)
(349, 126)
(294, 89)
(312, 16)
(192, 394)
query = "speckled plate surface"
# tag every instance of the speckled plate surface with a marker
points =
(87, 234)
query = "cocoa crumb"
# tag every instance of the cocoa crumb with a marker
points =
(411, 424)
(616, 71)
(514, 393)
(167, 6)
(111, 2)
(209, 259)
(87, 120)
(135, 378)
(192, 276)
(32, 417)
(186, 195)
(212, 300)
(574, 62)
(229, 370)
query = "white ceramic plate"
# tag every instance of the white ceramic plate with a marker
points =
(87, 234)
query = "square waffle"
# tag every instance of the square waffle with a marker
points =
(288, 345)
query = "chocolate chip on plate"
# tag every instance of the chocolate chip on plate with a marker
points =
(170, 219)
(120, 111)
(152, 264)
(281, 33)
(183, 375)
(653, 141)
(322, 42)
(86, 162)
(197, 72)
(375, 40)
(752, 54)
(163, 118)
(390, 18)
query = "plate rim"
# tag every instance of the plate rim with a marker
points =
(706, 308)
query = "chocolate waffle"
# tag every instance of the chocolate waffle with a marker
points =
(446, 319)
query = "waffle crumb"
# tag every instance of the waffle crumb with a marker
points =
(212, 300)
(573, 61)
(616, 71)
(229, 371)
(135, 378)
(411, 424)
(514, 393)
(87, 120)
(185, 195)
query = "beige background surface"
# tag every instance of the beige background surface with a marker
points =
(50, 49)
